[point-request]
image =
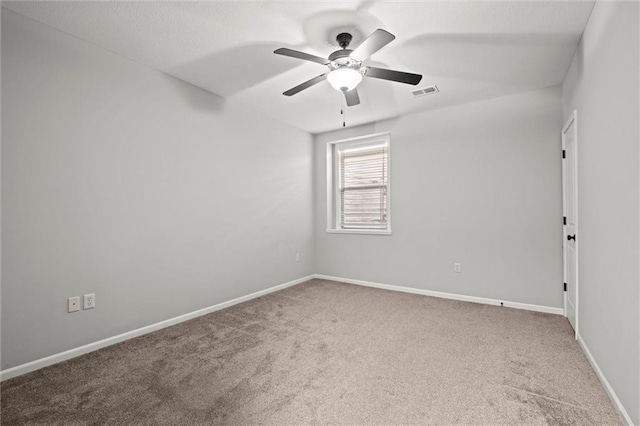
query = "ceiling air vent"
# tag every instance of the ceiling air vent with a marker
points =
(425, 91)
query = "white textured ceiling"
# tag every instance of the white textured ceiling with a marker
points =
(470, 50)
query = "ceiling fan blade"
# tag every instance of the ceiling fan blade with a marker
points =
(305, 85)
(376, 41)
(352, 97)
(399, 76)
(301, 55)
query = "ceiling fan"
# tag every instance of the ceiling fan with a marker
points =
(345, 66)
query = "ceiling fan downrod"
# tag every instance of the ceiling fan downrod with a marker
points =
(344, 39)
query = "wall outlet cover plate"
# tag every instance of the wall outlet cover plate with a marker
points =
(73, 304)
(89, 301)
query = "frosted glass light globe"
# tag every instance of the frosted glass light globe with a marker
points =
(344, 79)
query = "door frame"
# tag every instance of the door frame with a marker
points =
(573, 119)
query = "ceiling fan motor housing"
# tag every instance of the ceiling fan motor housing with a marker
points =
(342, 59)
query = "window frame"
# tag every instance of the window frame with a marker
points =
(333, 190)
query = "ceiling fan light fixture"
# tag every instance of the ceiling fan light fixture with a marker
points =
(345, 66)
(344, 79)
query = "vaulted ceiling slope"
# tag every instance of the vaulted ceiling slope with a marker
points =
(470, 50)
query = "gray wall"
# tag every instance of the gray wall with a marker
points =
(155, 195)
(602, 84)
(478, 184)
(162, 198)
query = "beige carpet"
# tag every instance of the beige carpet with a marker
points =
(325, 352)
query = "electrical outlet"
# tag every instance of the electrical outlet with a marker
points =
(297, 257)
(89, 301)
(73, 304)
(457, 267)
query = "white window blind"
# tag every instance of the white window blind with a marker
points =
(363, 174)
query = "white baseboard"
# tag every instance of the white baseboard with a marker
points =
(604, 381)
(506, 304)
(72, 353)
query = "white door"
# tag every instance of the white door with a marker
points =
(570, 205)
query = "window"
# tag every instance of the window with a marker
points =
(358, 185)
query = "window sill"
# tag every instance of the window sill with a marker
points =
(360, 231)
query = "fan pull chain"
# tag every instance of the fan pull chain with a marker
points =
(343, 112)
